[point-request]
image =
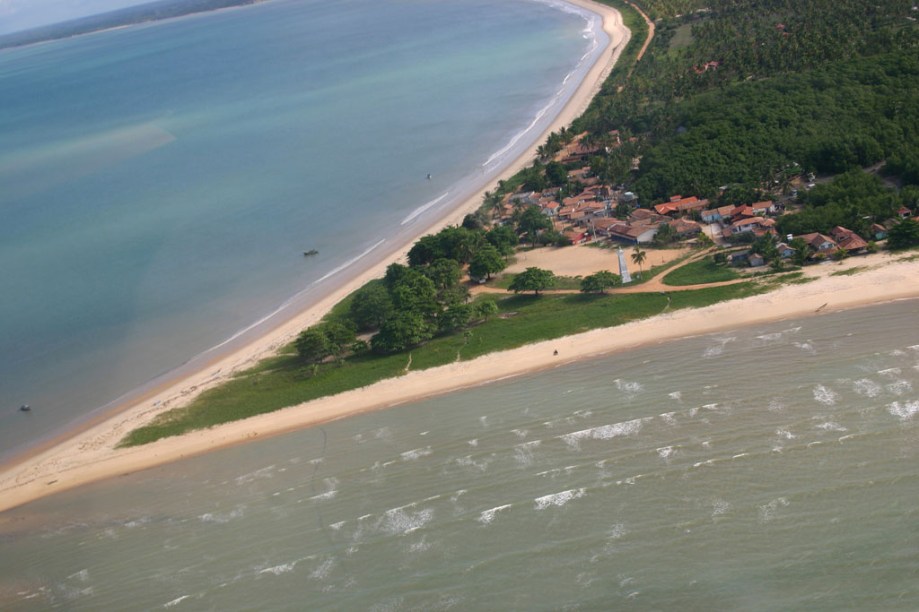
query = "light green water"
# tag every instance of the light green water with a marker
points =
(771, 468)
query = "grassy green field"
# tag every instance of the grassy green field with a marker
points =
(285, 381)
(704, 270)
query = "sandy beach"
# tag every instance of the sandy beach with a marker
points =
(42, 464)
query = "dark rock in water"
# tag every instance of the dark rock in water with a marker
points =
(25, 408)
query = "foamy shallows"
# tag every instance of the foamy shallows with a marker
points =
(566, 498)
(160, 185)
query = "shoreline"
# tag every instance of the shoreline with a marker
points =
(91, 457)
(207, 370)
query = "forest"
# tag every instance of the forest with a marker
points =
(736, 98)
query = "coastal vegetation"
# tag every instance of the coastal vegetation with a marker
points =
(704, 270)
(287, 380)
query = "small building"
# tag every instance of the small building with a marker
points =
(785, 251)
(848, 240)
(634, 234)
(819, 243)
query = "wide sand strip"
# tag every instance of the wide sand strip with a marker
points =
(87, 455)
(91, 456)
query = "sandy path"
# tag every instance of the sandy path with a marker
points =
(89, 455)
(583, 260)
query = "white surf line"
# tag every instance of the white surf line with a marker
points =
(421, 209)
(348, 263)
(286, 304)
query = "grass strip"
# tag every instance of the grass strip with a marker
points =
(699, 272)
(283, 380)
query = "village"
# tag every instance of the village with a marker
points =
(745, 235)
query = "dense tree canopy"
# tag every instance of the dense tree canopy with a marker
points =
(533, 279)
(599, 282)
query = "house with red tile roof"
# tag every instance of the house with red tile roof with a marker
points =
(848, 240)
(636, 234)
(679, 204)
(819, 243)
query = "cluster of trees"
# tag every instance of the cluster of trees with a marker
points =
(826, 84)
(413, 303)
(847, 115)
(854, 200)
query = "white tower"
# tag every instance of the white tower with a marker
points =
(623, 269)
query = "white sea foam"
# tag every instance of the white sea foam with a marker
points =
(784, 433)
(416, 453)
(331, 485)
(676, 395)
(718, 349)
(720, 507)
(807, 347)
(82, 575)
(337, 526)
(905, 411)
(419, 546)
(767, 512)
(520, 433)
(866, 387)
(282, 568)
(137, 522)
(265, 472)
(473, 442)
(604, 432)
(831, 426)
(399, 521)
(630, 387)
(825, 395)
(899, 387)
(487, 516)
(523, 453)
(669, 418)
(558, 499)
(890, 372)
(349, 263)
(322, 571)
(770, 338)
(469, 461)
(222, 518)
(176, 601)
(421, 209)
(776, 405)
(665, 452)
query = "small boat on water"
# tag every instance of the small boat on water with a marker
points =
(310, 253)
(25, 408)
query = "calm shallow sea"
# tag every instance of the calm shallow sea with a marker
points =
(769, 468)
(159, 184)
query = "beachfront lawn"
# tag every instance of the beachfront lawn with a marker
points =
(286, 381)
(699, 272)
(571, 283)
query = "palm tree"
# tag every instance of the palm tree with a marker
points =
(639, 257)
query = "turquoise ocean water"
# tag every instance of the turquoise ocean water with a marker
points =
(159, 183)
(766, 468)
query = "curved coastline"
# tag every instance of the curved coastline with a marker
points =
(49, 467)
